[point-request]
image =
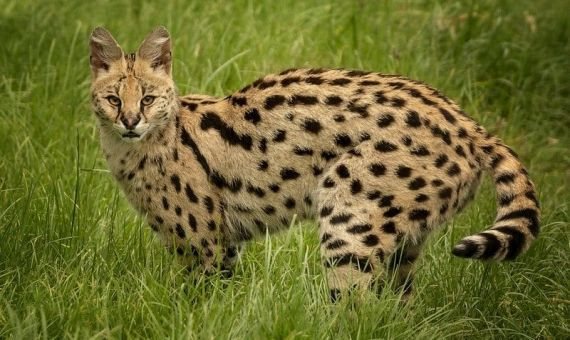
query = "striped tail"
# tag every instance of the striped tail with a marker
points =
(517, 222)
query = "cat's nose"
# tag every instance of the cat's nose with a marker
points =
(130, 122)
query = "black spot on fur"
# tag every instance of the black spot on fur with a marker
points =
(273, 101)
(326, 211)
(370, 240)
(336, 244)
(443, 134)
(289, 203)
(269, 210)
(459, 150)
(441, 160)
(364, 136)
(263, 165)
(369, 83)
(274, 187)
(312, 125)
(355, 186)
(392, 212)
(328, 183)
(448, 116)
(190, 194)
(385, 120)
(417, 183)
(176, 182)
(252, 115)
(496, 160)
(339, 118)
(362, 110)
(302, 151)
(327, 155)
(407, 140)
(359, 228)
(377, 169)
(413, 119)
(317, 170)
(380, 98)
(192, 222)
(314, 80)
(290, 80)
(333, 100)
(389, 227)
(263, 145)
(445, 193)
(342, 171)
(454, 170)
(212, 225)
(255, 190)
(279, 136)
(372, 195)
(343, 140)
(288, 174)
(385, 146)
(418, 214)
(341, 218)
(266, 84)
(397, 102)
(386, 201)
(325, 237)
(239, 101)
(421, 198)
(340, 81)
(298, 99)
(209, 204)
(403, 171)
(420, 151)
(505, 178)
(180, 231)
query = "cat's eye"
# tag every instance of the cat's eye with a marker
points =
(113, 100)
(147, 100)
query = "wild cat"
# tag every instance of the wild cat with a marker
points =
(378, 160)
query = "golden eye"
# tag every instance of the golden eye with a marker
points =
(147, 100)
(113, 100)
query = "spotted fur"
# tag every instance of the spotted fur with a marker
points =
(378, 160)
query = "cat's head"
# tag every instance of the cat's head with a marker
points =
(132, 94)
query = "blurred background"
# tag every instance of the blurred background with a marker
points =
(76, 261)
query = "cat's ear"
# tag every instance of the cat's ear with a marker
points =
(156, 50)
(103, 51)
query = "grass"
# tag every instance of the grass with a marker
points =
(76, 262)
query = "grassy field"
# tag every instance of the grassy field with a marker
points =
(76, 262)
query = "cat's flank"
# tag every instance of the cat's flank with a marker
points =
(378, 160)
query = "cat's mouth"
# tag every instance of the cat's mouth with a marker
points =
(131, 134)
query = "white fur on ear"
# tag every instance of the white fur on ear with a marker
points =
(157, 50)
(103, 50)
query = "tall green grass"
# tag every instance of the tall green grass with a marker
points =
(76, 262)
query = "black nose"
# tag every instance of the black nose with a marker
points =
(130, 122)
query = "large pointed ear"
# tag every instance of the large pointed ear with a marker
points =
(156, 50)
(103, 51)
